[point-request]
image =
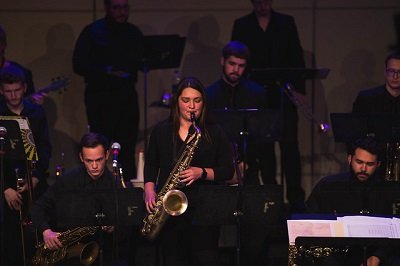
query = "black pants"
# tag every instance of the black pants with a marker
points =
(184, 244)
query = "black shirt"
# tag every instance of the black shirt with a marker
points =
(161, 155)
(48, 209)
(105, 43)
(376, 100)
(38, 125)
(245, 95)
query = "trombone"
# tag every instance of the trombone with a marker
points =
(24, 210)
(305, 109)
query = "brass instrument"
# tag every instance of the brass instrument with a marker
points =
(170, 200)
(392, 171)
(72, 248)
(305, 109)
(312, 253)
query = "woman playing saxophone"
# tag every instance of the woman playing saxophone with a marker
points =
(182, 242)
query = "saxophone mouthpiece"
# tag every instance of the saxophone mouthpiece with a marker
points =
(192, 117)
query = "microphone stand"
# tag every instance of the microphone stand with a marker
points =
(100, 216)
(2, 153)
(116, 174)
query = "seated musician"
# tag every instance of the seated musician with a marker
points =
(13, 85)
(89, 178)
(349, 194)
(232, 92)
(384, 99)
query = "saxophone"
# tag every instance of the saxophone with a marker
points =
(170, 200)
(87, 253)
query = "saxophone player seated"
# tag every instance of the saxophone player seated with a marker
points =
(90, 177)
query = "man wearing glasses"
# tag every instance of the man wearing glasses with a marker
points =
(383, 103)
(108, 54)
(385, 98)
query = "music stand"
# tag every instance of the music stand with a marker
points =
(348, 127)
(99, 202)
(244, 126)
(262, 205)
(286, 74)
(385, 198)
(19, 146)
(161, 52)
(280, 76)
(14, 146)
(76, 208)
(253, 205)
(386, 126)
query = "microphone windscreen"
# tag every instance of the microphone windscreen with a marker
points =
(116, 146)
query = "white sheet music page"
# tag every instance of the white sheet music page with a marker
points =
(317, 228)
(368, 226)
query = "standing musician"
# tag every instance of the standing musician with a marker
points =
(13, 87)
(88, 178)
(108, 54)
(182, 242)
(383, 99)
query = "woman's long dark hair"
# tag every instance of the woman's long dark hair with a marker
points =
(194, 83)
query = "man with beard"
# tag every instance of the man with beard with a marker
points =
(351, 193)
(234, 92)
(108, 54)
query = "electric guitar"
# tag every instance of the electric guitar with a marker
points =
(56, 84)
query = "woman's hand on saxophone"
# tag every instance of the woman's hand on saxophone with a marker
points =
(190, 175)
(149, 196)
(51, 240)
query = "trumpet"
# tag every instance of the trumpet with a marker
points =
(305, 109)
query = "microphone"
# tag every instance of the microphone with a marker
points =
(116, 147)
(3, 133)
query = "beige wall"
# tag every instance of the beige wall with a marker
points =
(350, 37)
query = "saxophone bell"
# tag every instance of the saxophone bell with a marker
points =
(86, 252)
(170, 201)
(175, 202)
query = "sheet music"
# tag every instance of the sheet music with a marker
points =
(347, 226)
(321, 228)
(367, 226)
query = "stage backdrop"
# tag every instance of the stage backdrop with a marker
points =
(350, 37)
